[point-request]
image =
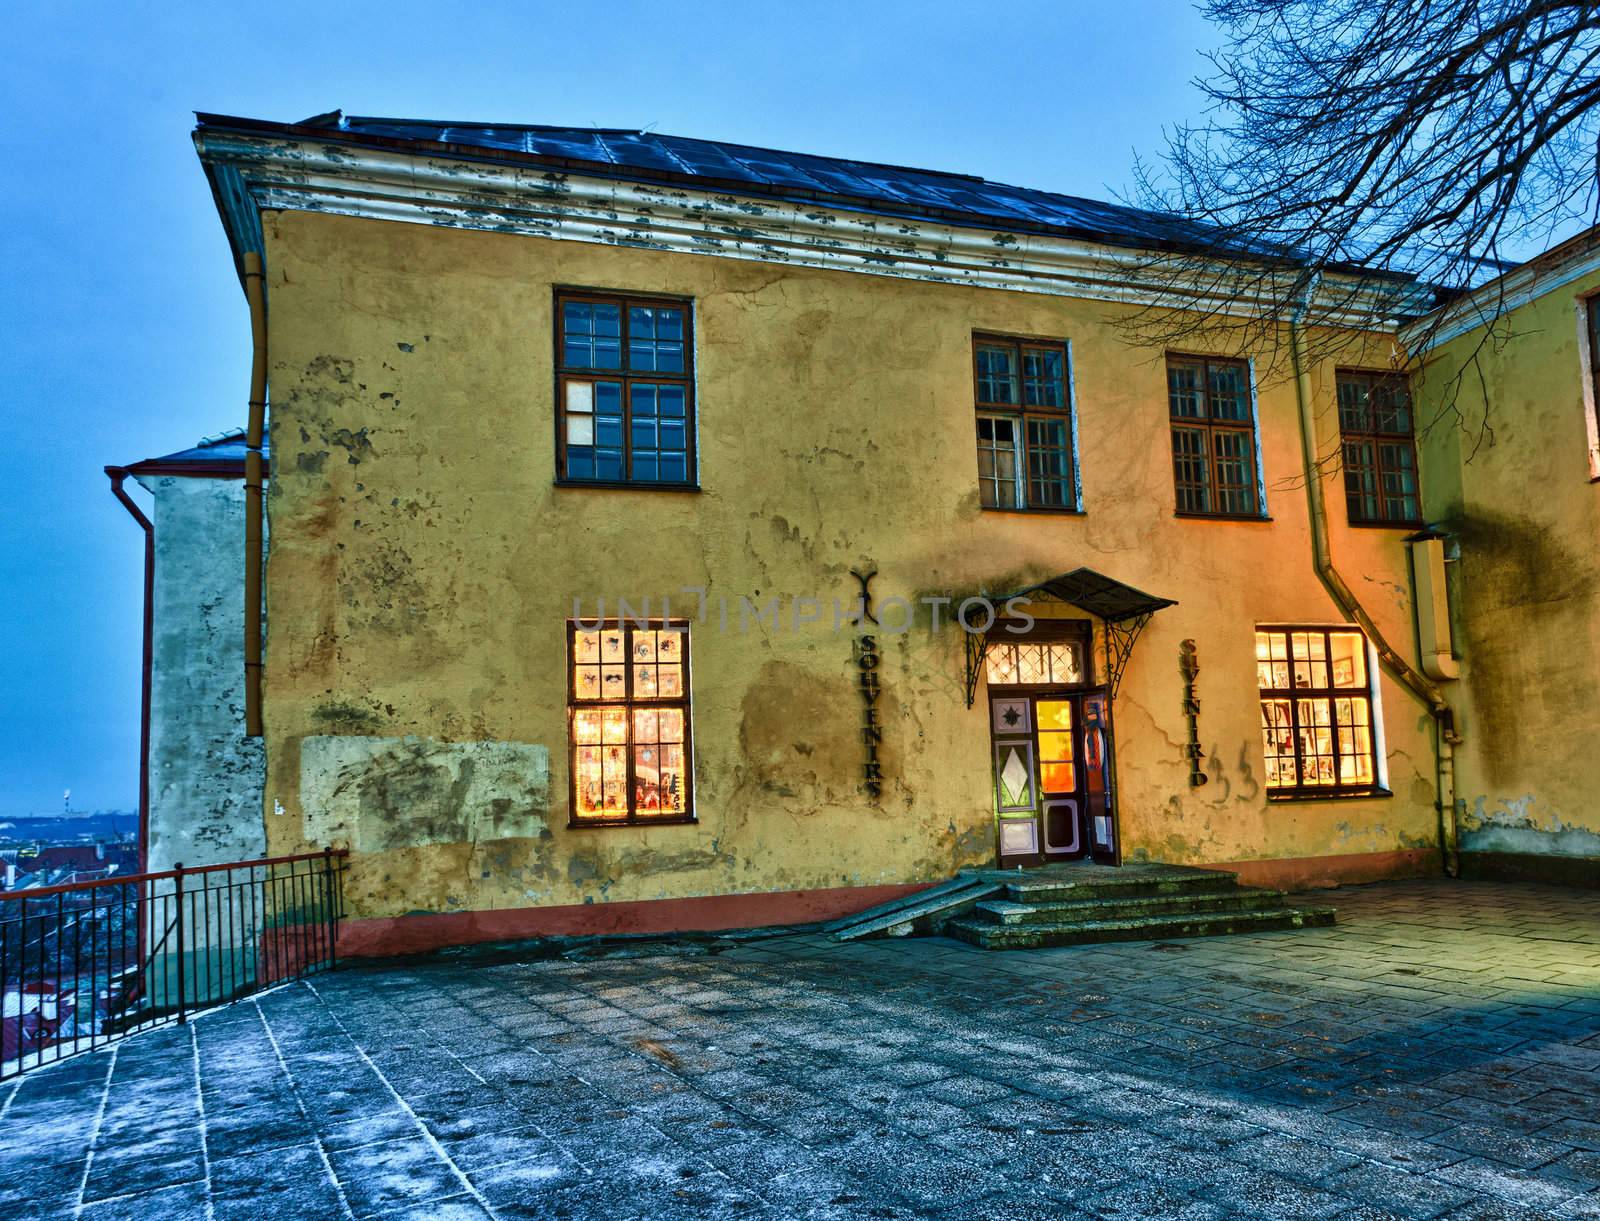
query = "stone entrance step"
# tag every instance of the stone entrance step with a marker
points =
(1067, 911)
(1024, 936)
(1082, 904)
(1075, 904)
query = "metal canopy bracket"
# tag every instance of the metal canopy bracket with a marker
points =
(1123, 609)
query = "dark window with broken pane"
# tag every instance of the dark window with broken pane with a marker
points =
(1024, 425)
(624, 391)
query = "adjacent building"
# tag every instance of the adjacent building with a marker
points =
(673, 534)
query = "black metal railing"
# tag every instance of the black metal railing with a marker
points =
(84, 963)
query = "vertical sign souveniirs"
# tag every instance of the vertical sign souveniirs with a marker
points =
(867, 658)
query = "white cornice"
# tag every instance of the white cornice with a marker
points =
(254, 172)
(1520, 286)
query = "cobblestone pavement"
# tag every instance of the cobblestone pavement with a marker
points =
(1436, 1053)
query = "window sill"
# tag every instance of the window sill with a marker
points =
(597, 824)
(624, 485)
(1042, 511)
(1413, 526)
(1302, 795)
(1258, 517)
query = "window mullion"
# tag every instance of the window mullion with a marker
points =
(1294, 713)
(627, 690)
(1024, 489)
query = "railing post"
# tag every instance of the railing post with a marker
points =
(178, 894)
(329, 900)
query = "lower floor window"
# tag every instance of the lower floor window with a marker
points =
(1317, 723)
(628, 697)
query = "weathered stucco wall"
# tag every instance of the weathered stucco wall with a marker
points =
(1526, 590)
(423, 565)
(205, 776)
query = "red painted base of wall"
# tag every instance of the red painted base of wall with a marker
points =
(1315, 872)
(389, 936)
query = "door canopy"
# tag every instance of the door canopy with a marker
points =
(1123, 609)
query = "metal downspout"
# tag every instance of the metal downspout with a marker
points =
(1445, 737)
(118, 474)
(255, 294)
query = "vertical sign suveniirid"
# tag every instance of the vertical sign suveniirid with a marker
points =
(1189, 664)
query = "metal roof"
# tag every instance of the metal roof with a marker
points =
(221, 454)
(1099, 595)
(893, 190)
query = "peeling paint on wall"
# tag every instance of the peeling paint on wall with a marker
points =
(378, 794)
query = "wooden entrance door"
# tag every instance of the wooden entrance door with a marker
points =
(1050, 777)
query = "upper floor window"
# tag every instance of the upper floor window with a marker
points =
(1591, 423)
(1025, 458)
(1380, 449)
(1213, 437)
(629, 705)
(1317, 721)
(624, 390)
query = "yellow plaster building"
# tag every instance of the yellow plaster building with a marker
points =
(587, 446)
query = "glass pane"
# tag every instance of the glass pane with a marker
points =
(580, 430)
(1353, 408)
(669, 401)
(1229, 392)
(997, 374)
(586, 646)
(1235, 471)
(1355, 740)
(644, 682)
(1000, 662)
(1277, 732)
(1310, 659)
(1360, 481)
(1185, 398)
(580, 396)
(671, 724)
(1349, 651)
(1049, 464)
(1043, 377)
(669, 644)
(645, 725)
(1391, 407)
(586, 682)
(1272, 660)
(1316, 742)
(998, 463)
(1066, 663)
(586, 725)
(1032, 666)
(1191, 470)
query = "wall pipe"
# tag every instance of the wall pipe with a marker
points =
(1445, 737)
(255, 294)
(118, 474)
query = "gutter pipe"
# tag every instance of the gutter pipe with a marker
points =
(255, 294)
(1446, 739)
(118, 474)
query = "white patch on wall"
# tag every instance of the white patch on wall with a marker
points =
(380, 794)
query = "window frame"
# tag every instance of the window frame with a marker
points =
(1210, 426)
(683, 702)
(1589, 345)
(1293, 694)
(1021, 414)
(1377, 438)
(627, 377)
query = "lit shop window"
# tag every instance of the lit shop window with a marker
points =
(1317, 721)
(629, 706)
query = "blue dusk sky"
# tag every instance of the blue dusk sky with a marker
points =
(123, 331)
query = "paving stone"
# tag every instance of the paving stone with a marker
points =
(1435, 1053)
